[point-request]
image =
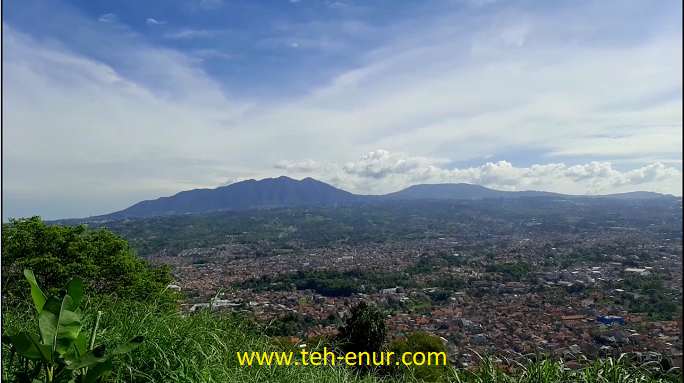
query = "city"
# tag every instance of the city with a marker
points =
(560, 291)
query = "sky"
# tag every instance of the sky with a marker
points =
(112, 102)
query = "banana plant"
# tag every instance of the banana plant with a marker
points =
(59, 352)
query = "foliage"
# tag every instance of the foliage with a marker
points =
(55, 253)
(200, 348)
(364, 330)
(513, 271)
(608, 370)
(290, 324)
(647, 295)
(58, 352)
(425, 343)
(331, 283)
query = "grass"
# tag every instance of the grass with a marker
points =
(202, 348)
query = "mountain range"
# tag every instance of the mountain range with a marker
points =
(285, 191)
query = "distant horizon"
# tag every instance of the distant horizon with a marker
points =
(5, 220)
(418, 184)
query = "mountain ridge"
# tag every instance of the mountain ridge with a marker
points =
(285, 191)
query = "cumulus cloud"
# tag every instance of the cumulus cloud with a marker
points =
(381, 172)
(381, 163)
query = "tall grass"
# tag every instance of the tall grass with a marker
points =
(202, 348)
(198, 348)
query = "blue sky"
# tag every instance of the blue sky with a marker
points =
(111, 102)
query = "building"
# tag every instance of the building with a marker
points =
(609, 319)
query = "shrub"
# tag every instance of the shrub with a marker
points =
(364, 330)
(58, 352)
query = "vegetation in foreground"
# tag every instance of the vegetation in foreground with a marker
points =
(104, 260)
(202, 348)
(60, 351)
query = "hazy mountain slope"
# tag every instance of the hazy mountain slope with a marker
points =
(285, 191)
(460, 191)
(281, 191)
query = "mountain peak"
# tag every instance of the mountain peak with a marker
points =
(280, 191)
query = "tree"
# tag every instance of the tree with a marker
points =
(55, 253)
(364, 330)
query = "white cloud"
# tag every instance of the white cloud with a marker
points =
(191, 34)
(552, 95)
(108, 18)
(627, 142)
(124, 138)
(211, 54)
(151, 21)
(380, 163)
(380, 172)
(298, 166)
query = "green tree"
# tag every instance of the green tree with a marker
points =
(55, 253)
(364, 330)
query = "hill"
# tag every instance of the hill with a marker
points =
(462, 191)
(270, 192)
(286, 192)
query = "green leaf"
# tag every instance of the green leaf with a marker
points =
(99, 371)
(97, 354)
(28, 346)
(36, 293)
(80, 344)
(23, 344)
(48, 319)
(59, 326)
(74, 289)
(68, 357)
(77, 349)
(6, 340)
(130, 346)
(93, 356)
